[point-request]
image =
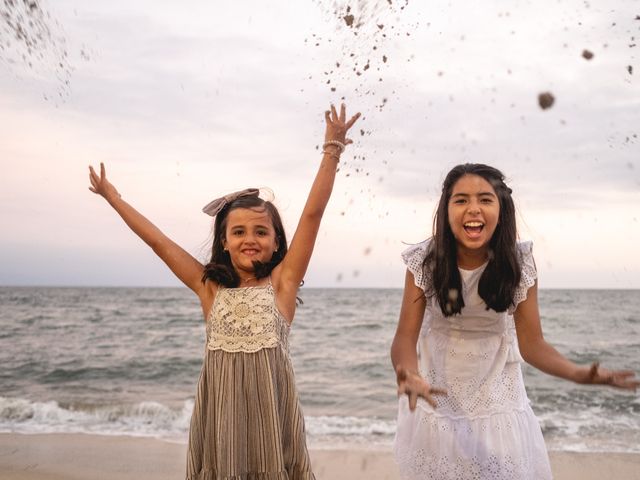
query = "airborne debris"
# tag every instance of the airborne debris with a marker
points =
(546, 100)
(364, 32)
(587, 54)
(29, 36)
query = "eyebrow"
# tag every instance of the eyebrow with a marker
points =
(481, 194)
(242, 225)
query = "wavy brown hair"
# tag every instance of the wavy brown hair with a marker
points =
(501, 276)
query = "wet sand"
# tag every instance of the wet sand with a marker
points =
(89, 457)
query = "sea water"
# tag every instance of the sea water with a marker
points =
(125, 361)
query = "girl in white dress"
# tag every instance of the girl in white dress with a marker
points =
(470, 306)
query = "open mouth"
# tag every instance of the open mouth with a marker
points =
(250, 252)
(473, 228)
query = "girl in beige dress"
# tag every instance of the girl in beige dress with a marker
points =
(247, 423)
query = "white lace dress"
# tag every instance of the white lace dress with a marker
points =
(484, 428)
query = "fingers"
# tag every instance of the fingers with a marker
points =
(352, 121)
(413, 401)
(343, 113)
(437, 391)
(413, 397)
(414, 386)
(626, 385)
(93, 178)
(327, 116)
(97, 182)
(625, 379)
(429, 400)
(334, 114)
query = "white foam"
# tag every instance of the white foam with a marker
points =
(587, 430)
(141, 419)
(349, 426)
(155, 419)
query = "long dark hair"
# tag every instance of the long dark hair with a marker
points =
(220, 269)
(502, 274)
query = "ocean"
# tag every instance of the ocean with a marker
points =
(125, 361)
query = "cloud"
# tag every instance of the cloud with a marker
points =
(185, 102)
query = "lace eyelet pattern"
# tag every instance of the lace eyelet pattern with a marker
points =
(246, 320)
(483, 428)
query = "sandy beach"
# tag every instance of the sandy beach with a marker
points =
(93, 457)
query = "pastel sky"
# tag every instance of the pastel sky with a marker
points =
(186, 101)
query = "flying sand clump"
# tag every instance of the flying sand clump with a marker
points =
(546, 100)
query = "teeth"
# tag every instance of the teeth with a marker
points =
(473, 224)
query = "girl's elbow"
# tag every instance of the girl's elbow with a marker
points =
(530, 350)
(526, 355)
(158, 246)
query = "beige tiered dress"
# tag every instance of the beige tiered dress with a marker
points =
(247, 423)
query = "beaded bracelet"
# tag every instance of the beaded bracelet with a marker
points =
(335, 143)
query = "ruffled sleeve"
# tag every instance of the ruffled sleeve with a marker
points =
(528, 275)
(413, 257)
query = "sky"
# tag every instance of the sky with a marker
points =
(187, 101)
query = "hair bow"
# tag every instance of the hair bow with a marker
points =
(213, 208)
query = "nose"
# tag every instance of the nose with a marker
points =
(249, 238)
(474, 208)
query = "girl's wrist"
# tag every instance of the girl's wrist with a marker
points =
(331, 149)
(403, 372)
(334, 144)
(112, 198)
(332, 152)
(581, 374)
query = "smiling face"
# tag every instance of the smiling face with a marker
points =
(249, 237)
(473, 211)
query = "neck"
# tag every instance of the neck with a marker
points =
(248, 279)
(470, 259)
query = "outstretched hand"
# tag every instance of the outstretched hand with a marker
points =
(100, 185)
(337, 126)
(625, 379)
(413, 385)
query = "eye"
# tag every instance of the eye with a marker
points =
(262, 233)
(237, 233)
(459, 201)
(486, 200)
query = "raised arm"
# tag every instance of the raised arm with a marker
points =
(404, 354)
(537, 352)
(183, 265)
(292, 269)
